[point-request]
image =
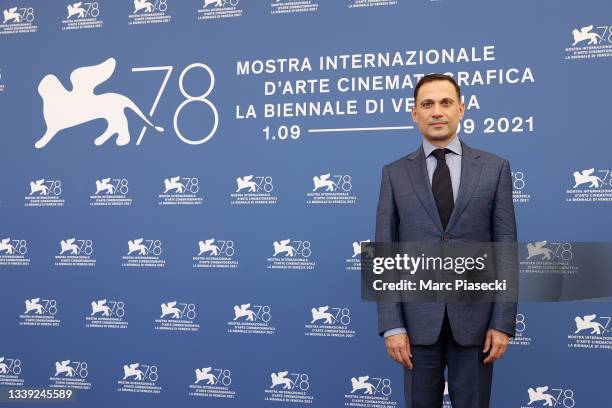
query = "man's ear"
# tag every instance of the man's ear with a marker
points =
(413, 113)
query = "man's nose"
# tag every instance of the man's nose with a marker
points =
(436, 112)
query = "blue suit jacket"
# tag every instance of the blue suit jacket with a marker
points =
(483, 212)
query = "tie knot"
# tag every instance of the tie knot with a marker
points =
(440, 153)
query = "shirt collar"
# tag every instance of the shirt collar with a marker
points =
(454, 146)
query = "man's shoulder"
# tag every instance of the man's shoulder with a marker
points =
(486, 156)
(399, 163)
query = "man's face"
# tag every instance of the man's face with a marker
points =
(437, 111)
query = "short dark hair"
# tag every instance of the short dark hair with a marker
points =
(436, 77)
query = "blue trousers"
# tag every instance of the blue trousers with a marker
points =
(469, 380)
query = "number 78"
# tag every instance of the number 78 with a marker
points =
(188, 99)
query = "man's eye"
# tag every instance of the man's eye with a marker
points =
(446, 103)
(426, 105)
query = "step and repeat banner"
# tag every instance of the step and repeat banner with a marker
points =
(186, 184)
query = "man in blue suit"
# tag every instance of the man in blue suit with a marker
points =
(445, 191)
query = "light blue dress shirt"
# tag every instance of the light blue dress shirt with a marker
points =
(453, 161)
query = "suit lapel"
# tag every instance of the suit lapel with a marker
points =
(471, 167)
(417, 172)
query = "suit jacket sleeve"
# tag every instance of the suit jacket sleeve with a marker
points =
(503, 224)
(390, 315)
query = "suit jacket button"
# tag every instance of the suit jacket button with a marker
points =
(445, 237)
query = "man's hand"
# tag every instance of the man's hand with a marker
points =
(398, 347)
(496, 342)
